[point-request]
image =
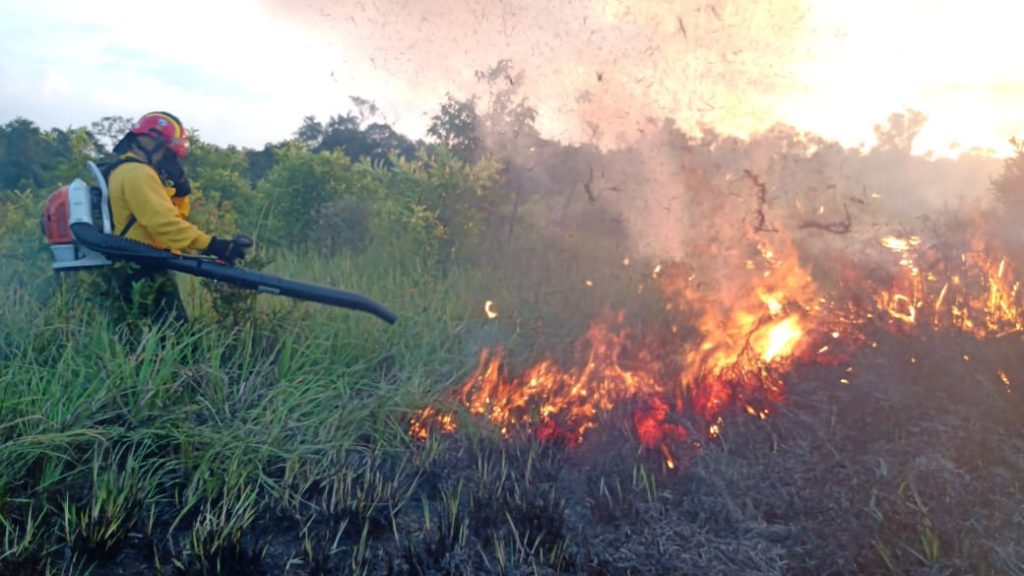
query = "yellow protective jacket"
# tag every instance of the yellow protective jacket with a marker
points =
(160, 217)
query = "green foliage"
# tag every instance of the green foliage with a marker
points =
(204, 157)
(259, 162)
(122, 479)
(29, 156)
(109, 130)
(450, 203)
(270, 436)
(509, 116)
(311, 133)
(25, 155)
(223, 195)
(350, 134)
(231, 305)
(302, 193)
(219, 200)
(455, 127)
(21, 236)
(76, 147)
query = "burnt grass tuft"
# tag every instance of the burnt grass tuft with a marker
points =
(910, 468)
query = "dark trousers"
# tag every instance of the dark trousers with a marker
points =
(149, 292)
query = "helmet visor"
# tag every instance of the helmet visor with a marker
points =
(177, 146)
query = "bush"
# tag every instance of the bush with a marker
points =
(300, 189)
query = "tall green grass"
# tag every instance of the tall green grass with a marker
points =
(187, 437)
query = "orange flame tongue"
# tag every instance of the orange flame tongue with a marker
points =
(558, 404)
(779, 339)
(753, 324)
(651, 426)
(744, 345)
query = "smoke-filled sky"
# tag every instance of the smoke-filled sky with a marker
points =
(247, 71)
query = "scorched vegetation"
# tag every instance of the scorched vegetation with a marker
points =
(797, 370)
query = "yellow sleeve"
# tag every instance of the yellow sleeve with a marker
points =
(155, 212)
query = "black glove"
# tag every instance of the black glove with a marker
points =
(230, 251)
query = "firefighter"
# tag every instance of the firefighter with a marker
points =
(149, 202)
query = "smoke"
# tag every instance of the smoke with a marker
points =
(711, 200)
(660, 121)
(596, 71)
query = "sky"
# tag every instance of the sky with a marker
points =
(246, 72)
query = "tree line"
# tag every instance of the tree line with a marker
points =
(335, 185)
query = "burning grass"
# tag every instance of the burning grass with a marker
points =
(746, 334)
(756, 423)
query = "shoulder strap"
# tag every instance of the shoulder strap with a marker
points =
(107, 169)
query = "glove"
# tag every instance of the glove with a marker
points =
(230, 251)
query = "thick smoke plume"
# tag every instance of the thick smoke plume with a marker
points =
(657, 120)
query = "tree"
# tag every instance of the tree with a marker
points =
(899, 132)
(455, 127)
(382, 141)
(311, 133)
(464, 200)
(302, 191)
(109, 130)
(28, 155)
(342, 133)
(365, 109)
(377, 142)
(1008, 188)
(507, 118)
(223, 192)
(260, 162)
(74, 147)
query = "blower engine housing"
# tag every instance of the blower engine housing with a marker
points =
(71, 204)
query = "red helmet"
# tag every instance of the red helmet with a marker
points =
(166, 128)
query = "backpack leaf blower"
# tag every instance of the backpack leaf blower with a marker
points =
(77, 225)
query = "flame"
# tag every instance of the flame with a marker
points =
(778, 340)
(972, 291)
(773, 301)
(750, 327)
(430, 419)
(749, 334)
(900, 245)
(559, 404)
(733, 363)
